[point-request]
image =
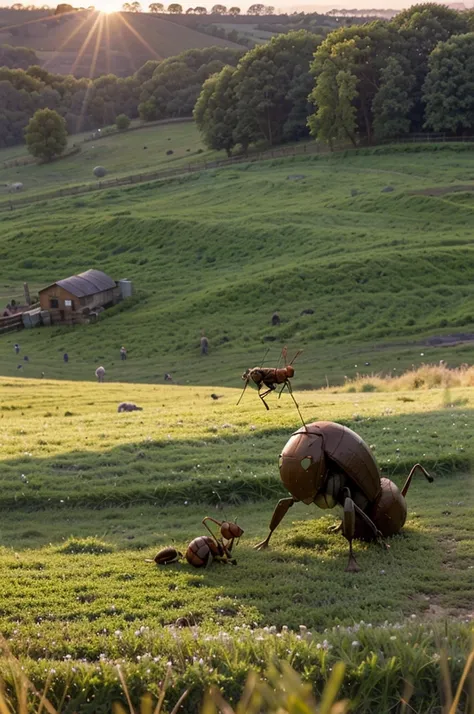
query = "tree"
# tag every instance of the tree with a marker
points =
(234, 11)
(422, 27)
(17, 6)
(175, 9)
(200, 10)
(335, 116)
(215, 111)
(46, 135)
(17, 57)
(257, 9)
(394, 100)
(361, 50)
(269, 10)
(122, 122)
(265, 80)
(218, 10)
(63, 8)
(156, 7)
(135, 6)
(448, 89)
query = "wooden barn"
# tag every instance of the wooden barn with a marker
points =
(79, 297)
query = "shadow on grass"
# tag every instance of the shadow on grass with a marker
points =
(233, 468)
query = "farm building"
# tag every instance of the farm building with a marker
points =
(79, 297)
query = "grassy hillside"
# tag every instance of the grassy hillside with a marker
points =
(90, 44)
(77, 595)
(385, 273)
(142, 150)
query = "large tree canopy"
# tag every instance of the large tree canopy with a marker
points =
(46, 135)
(265, 97)
(448, 91)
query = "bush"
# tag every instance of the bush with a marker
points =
(122, 122)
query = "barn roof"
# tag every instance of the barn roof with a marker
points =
(88, 283)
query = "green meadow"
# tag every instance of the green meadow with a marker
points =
(384, 273)
(88, 495)
(366, 280)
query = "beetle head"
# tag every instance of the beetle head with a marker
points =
(302, 465)
(290, 371)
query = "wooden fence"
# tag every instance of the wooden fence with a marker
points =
(305, 148)
(11, 323)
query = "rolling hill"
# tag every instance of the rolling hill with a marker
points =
(384, 267)
(90, 43)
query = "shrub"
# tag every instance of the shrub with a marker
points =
(122, 122)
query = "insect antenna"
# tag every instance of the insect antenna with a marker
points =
(296, 355)
(264, 357)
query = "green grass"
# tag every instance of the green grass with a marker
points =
(87, 497)
(120, 154)
(223, 249)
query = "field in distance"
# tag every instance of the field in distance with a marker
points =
(77, 595)
(143, 150)
(90, 43)
(367, 271)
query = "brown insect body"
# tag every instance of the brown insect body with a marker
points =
(202, 550)
(167, 555)
(329, 464)
(270, 377)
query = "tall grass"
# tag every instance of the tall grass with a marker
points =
(428, 376)
(278, 689)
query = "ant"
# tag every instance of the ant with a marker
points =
(270, 377)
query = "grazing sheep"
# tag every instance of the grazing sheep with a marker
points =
(275, 319)
(204, 345)
(129, 407)
(100, 374)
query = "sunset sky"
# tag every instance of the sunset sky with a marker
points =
(282, 5)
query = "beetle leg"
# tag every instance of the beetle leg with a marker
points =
(279, 513)
(348, 530)
(410, 475)
(376, 533)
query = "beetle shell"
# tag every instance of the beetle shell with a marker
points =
(167, 555)
(230, 530)
(304, 460)
(201, 549)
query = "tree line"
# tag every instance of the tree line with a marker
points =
(157, 90)
(177, 9)
(361, 83)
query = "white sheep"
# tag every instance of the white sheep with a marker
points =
(100, 374)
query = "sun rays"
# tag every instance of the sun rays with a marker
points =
(92, 40)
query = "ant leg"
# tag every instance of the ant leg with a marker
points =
(410, 475)
(271, 387)
(281, 509)
(290, 390)
(208, 518)
(348, 531)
